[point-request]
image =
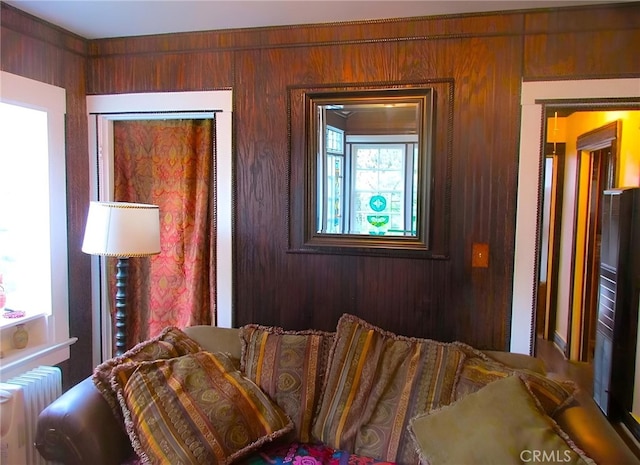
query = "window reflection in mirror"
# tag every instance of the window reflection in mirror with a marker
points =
(368, 166)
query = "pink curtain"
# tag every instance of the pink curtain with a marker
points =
(169, 163)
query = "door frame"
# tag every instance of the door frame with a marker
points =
(555, 152)
(526, 252)
(102, 110)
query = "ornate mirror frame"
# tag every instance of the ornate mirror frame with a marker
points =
(304, 105)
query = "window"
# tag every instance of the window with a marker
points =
(384, 189)
(33, 222)
(370, 185)
(25, 245)
(334, 202)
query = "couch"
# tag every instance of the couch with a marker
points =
(360, 389)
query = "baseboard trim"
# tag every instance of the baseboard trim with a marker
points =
(560, 342)
(628, 437)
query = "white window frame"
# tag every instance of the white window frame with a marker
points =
(326, 167)
(49, 333)
(102, 111)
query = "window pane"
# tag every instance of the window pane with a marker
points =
(25, 248)
(379, 189)
(391, 181)
(335, 140)
(366, 180)
(335, 183)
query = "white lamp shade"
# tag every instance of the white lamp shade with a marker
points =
(122, 229)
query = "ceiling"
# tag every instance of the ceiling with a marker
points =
(96, 19)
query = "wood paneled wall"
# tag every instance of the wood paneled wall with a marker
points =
(485, 56)
(38, 51)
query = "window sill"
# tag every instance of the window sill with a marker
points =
(17, 361)
(11, 322)
(41, 349)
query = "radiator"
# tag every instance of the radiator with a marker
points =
(21, 400)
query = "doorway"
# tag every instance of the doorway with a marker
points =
(103, 110)
(535, 95)
(568, 267)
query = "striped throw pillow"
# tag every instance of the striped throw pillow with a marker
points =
(376, 382)
(197, 408)
(478, 370)
(289, 366)
(171, 342)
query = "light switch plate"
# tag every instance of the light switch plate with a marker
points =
(480, 255)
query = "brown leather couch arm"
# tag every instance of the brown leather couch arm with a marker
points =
(79, 428)
(591, 431)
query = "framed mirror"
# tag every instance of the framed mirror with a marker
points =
(366, 167)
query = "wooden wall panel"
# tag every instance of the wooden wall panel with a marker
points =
(34, 49)
(411, 296)
(171, 72)
(29, 27)
(356, 32)
(596, 42)
(484, 57)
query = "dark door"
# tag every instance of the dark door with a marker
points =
(601, 146)
(601, 180)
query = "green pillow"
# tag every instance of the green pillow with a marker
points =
(195, 409)
(501, 423)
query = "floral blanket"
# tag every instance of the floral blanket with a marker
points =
(306, 454)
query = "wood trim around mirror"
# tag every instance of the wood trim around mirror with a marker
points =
(305, 105)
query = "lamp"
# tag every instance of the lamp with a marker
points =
(122, 230)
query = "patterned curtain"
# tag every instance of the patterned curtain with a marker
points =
(169, 163)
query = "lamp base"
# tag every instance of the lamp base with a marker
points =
(122, 274)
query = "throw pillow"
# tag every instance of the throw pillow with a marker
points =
(289, 366)
(501, 423)
(376, 381)
(171, 342)
(197, 408)
(478, 370)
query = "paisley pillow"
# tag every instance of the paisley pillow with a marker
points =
(290, 367)
(197, 408)
(171, 342)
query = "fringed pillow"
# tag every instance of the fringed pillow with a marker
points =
(478, 370)
(171, 342)
(289, 366)
(197, 408)
(376, 382)
(500, 423)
